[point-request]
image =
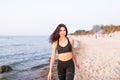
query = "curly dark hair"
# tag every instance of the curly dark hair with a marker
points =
(55, 35)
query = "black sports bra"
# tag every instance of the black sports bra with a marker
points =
(67, 48)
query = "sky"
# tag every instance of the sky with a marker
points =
(41, 17)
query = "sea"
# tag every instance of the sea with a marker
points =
(23, 54)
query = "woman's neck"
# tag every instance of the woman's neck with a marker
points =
(62, 38)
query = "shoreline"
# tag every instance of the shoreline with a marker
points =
(98, 58)
(44, 73)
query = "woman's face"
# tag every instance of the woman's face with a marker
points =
(62, 31)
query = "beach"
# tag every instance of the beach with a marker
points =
(99, 58)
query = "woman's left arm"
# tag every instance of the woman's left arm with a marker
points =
(74, 53)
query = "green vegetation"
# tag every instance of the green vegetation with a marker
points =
(105, 28)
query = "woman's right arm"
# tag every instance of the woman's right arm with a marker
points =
(53, 56)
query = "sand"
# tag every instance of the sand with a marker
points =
(99, 58)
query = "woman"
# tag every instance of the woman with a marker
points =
(66, 54)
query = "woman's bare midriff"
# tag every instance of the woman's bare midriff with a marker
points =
(65, 56)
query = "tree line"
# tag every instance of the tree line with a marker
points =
(104, 29)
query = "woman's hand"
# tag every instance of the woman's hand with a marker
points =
(49, 76)
(77, 65)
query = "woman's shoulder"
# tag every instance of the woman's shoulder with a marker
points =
(54, 44)
(71, 40)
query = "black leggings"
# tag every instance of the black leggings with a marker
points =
(66, 70)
